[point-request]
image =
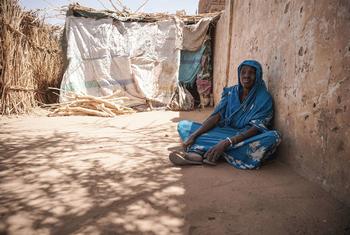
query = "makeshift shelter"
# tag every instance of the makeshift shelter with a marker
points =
(135, 55)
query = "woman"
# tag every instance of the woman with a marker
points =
(238, 129)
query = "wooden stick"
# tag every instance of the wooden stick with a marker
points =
(103, 108)
(85, 111)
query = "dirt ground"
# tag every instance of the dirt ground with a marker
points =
(89, 175)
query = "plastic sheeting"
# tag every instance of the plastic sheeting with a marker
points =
(140, 58)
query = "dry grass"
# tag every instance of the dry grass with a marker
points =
(30, 59)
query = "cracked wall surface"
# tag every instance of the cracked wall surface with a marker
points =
(304, 48)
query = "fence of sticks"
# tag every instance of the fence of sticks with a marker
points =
(30, 59)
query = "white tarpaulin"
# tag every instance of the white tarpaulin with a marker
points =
(105, 56)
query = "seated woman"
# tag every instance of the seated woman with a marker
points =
(238, 129)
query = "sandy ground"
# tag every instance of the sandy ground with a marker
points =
(88, 175)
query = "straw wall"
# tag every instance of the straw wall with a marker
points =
(30, 59)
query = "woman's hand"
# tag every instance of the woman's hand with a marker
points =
(215, 152)
(190, 141)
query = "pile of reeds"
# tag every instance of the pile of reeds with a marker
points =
(107, 106)
(30, 59)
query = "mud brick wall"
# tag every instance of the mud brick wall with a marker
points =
(206, 6)
(304, 48)
(221, 51)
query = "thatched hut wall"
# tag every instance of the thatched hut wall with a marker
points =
(30, 59)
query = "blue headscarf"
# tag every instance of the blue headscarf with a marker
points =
(255, 110)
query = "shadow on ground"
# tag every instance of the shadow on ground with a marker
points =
(84, 175)
(62, 177)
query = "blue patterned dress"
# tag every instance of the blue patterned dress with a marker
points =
(235, 118)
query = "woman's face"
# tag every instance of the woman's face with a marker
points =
(247, 76)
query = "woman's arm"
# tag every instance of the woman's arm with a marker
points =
(207, 125)
(244, 135)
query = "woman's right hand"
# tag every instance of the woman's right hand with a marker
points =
(190, 141)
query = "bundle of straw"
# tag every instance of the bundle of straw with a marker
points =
(30, 59)
(108, 106)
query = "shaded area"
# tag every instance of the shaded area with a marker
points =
(89, 175)
(93, 176)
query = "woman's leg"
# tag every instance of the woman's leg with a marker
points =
(205, 141)
(250, 153)
(185, 128)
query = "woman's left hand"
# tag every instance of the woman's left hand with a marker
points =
(215, 152)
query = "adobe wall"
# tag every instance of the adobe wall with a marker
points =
(304, 48)
(206, 6)
(221, 51)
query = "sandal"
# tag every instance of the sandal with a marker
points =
(177, 159)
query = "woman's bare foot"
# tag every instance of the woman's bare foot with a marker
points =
(207, 161)
(194, 157)
(181, 159)
(211, 162)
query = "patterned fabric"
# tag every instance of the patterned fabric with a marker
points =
(236, 117)
(190, 65)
